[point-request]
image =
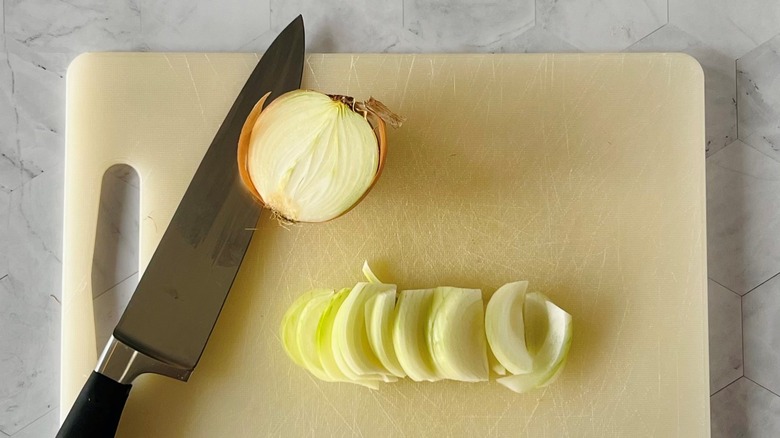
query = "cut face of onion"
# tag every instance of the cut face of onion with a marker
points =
(289, 326)
(311, 157)
(379, 324)
(325, 338)
(306, 335)
(551, 357)
(350, 334)
(457, 334)
(505, 328)
(410, 334)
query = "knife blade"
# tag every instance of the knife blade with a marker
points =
(175, 306)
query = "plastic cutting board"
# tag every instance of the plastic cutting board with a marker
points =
(583, 174)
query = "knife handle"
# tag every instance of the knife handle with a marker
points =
(97, 410)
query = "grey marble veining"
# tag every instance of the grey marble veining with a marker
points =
(74, 26)
(33, 132)
(737, 43)
(29, 302)
(601, 25)
(758, 91)
(203, 25)
(446, 23)
(365, 26)
(743, 216)
(533, 40)
(733, 27)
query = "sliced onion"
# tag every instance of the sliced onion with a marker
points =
(551, 357)
(325, 338)
(370, 333)
(306, 335)
(505, 328)
(370, 276)
(410, 334)
(331, 356)
(495, 365)
(379, 324)
(457, 334)
(350, 335)
(289, 326)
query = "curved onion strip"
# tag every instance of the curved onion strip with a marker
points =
(410, 334)
(350, 336)
(457, 334)
(325, 337)
(306, 335)
(370, 276)
(379, 324)
(289, 326)
(505, 328)
(332, 360)
(551, 356)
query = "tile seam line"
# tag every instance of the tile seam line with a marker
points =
(772, 392)
(32, 422)
(744, 141)
(731, 383)
(726, 385)
(115, 285)
(736, 93)
(725, 287)
(742, 332)
(761, 284)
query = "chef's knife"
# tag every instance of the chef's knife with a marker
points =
(169, 318)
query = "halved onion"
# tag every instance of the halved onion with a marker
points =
(410, 335)
(505, 328)
(289, 326)
(457, 334)
(551, 357)
(379, 324)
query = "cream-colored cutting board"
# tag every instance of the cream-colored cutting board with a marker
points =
(583, 174)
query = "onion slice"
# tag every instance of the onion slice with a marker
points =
(410, 334)
(379, 324)
(551, 357)
(289, 325)
(306, 334)
(505, 328)
(325, 337)
(370, 276)
(457, 334)
(350, 335)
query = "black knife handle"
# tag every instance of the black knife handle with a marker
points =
(97, 410)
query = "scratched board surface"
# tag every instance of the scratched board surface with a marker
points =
(583, 174)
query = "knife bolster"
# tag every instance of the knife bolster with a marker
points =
(123, 364)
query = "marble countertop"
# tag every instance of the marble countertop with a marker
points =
(737, 43)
